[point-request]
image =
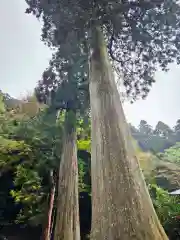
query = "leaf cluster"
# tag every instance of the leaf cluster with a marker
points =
(141, 35)
(166, 206)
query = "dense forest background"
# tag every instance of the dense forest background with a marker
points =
(156, 139)
(30, 140)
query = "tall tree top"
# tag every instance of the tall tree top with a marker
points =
(177, 126)
(163, 129)
(141, 35)
(64, 82)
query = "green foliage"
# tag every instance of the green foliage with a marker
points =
(166, 206)
(163, 129)
(172, 154)
(7, 125)
(155, 139)
(30, 149)
(83, 133)
(84, 145)
(177, 126)
(64, 83)
(30, 194)
(83, 128)
(83, 169)
(13, 152)
(43, 134)
(141, 35)
(28, 180)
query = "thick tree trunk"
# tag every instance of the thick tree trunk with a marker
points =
(67, 220)
(121, 205)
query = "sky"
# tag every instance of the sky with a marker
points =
(23, 57)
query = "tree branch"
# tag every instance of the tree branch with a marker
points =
(110, 45)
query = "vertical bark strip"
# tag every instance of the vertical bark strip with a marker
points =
(121, 205)
(53, 217)
(67, 219)
(47, 235)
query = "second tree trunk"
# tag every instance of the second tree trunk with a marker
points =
(67, 220)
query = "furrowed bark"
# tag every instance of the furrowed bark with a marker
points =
(67, 219)
(121, 205)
